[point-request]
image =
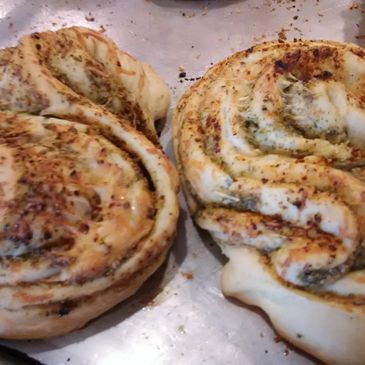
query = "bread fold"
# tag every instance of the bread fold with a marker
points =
(270, 149)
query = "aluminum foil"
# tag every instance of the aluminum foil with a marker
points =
(180, 315)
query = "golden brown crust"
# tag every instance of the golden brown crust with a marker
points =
(88, 204)
(270, 146)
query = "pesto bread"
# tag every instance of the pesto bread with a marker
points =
(270, 148)
(88, 199)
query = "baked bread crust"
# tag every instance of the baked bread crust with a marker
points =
(56, 73)
(270, 149)
(88, 203)
(82, 224)
(37, 322)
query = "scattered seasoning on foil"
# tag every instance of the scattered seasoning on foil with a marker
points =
(90, 17)
(282, 34)
(277, 339)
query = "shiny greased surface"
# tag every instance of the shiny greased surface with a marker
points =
(171, 327)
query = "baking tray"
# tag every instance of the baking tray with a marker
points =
(180, 315)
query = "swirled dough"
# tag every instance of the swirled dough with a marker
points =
(54, 73)
(88, 204)
(270, 146)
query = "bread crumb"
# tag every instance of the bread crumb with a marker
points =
(188, 275)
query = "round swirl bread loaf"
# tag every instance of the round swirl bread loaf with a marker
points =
(270, 147)
(88, 204)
